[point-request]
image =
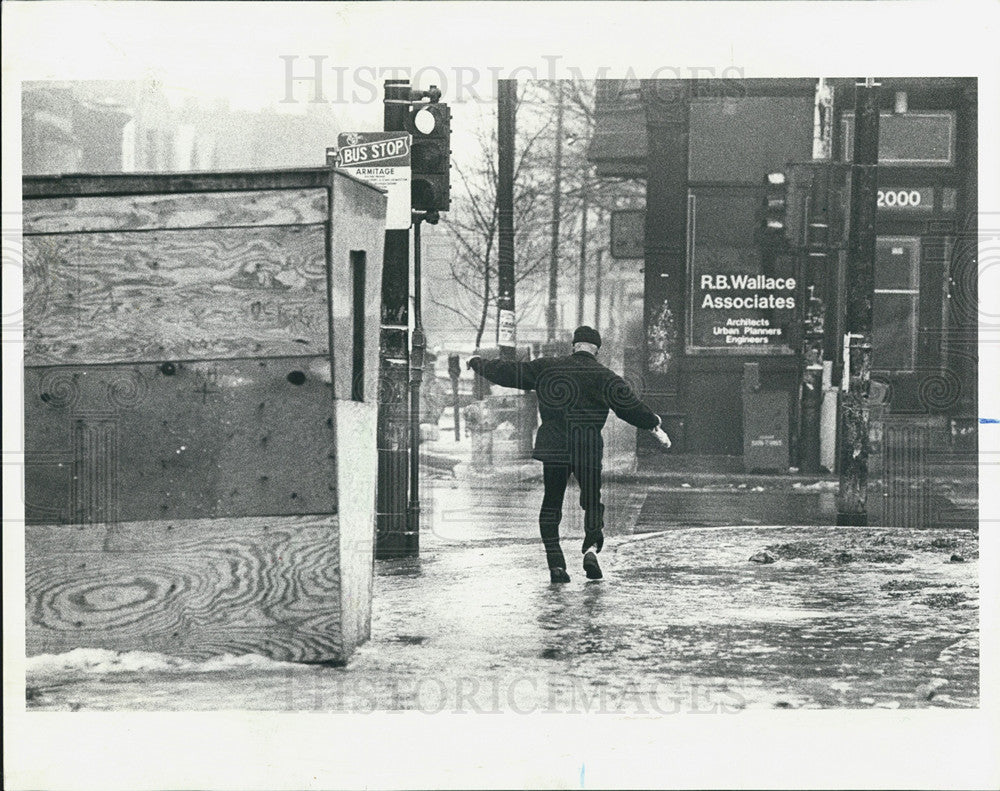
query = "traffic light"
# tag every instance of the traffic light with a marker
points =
(429, 123)
(775, 206)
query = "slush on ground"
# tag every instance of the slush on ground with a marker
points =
(695, 618)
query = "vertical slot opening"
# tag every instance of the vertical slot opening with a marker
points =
(358, 274)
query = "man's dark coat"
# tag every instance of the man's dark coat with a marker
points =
(575, 394)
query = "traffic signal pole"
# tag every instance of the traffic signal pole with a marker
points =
(401, 367)
(392, 438)
(506, 325)
(817, 265)
(412, 540)
(815, 262)
(852, 500)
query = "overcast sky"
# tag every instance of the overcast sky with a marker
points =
(244, 52)
(258, 56)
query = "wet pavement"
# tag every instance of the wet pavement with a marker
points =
(684, 621)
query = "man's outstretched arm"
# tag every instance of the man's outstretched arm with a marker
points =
(506, 373)
(627, 405)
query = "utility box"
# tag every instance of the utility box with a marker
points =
(201, 381)
(765, 424)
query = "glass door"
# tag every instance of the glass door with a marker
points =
(896, 304)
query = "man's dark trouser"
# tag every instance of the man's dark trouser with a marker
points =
(556, 476)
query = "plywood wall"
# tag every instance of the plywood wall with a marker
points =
(152, 278)
(182, 422)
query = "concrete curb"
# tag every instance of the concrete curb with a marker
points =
(750, 479)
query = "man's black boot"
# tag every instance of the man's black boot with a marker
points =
(591, 566)
(557, 574)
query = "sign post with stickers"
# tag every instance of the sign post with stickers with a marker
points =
(411, 160)
(506, 124)
(381, 159)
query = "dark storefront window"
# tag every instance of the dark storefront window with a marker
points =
(740, 300)
(741, 297)
(897, 296)
(742, 140)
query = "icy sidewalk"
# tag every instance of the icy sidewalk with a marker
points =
(684, 622)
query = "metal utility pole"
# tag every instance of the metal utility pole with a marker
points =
(816, 275)
(506, 325)
(582, 284)
(393, 446)
(597, 287)
(454, 373)
(552, 315)
(854, 445)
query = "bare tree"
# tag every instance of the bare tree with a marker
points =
(472, 223)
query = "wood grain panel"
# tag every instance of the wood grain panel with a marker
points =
(190, 440)
(194, 588)
(115, 213)
(79, 184)
(167, 295)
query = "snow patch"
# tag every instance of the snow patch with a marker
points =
(818, 486)
(100, 660)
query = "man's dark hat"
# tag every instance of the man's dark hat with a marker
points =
(587, 334)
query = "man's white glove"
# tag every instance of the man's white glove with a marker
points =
(661, 435)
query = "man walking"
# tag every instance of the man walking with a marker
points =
(575, 394)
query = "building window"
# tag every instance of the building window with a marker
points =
(925, 139)
(739, 140)
(741, 295)
(896, 304)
